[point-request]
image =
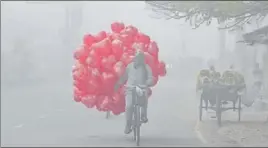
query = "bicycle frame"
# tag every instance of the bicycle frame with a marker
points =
(136, 122)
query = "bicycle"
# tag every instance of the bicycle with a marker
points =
(136, 117)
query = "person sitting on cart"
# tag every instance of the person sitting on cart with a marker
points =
(203, 78)
(228, 76)
(240, 83)
(214, 75)
(233, 81)
(207, 83)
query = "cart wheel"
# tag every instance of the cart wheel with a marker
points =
(218, 110)
(239, 107)
(206, 102)
(201, 109)
(234, 102)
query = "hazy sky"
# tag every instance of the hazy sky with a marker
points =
(45, 20)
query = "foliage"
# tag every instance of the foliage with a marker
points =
(234, 14)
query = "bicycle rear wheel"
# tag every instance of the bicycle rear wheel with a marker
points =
(134, 124)
(138, 125)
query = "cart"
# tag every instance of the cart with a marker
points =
(216, 95)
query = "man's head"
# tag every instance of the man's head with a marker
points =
(212, 68)
(139, 59)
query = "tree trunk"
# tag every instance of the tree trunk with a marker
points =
(265, 72)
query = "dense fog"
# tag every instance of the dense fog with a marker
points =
(37, 44)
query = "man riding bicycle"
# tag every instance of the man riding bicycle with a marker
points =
(138, 74)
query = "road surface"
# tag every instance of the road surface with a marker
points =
(44, 114)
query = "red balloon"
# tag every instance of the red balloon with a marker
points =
(77, 98)
(93, 59)
(77, 54)
(90, 60)
(132, 30)
(79, 73)
(89, 101)
(121, 104)
(130, 51)
(104, 63)
(79, 85)
(117, 43)
(117, 97)
(114, 36)
(103, 47)
(117, 49)
(153, 48)
(76, 66)
(76, 75)
(78, 92)
(95, 75)
(112, 59)
(100, 36)
(140, 46)
(119, 69)
(127, 38)
(149, 59)
(108, 79)
(89, 39)
(127, 58)
(162, 69)
(116, 111)
(143, 38)
(80, 54)
(117, 27)
(121, 25)
(100, 99)
(108, 62)
(104, 106)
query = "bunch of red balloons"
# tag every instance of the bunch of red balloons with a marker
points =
(101, 61)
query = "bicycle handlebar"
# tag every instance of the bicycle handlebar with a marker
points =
(134, 86)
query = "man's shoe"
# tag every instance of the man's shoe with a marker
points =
(144, 119)
(127, 130)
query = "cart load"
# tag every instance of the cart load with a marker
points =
(206, 78)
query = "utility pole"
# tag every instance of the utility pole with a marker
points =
(222, 34)
(73, 23)
(222, 44)
(70, 31)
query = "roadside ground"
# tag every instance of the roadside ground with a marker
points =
(251, 131)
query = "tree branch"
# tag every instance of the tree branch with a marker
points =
(201, 12)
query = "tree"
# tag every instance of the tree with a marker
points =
(234, 14)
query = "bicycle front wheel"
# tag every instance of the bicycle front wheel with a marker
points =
(137, 127)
